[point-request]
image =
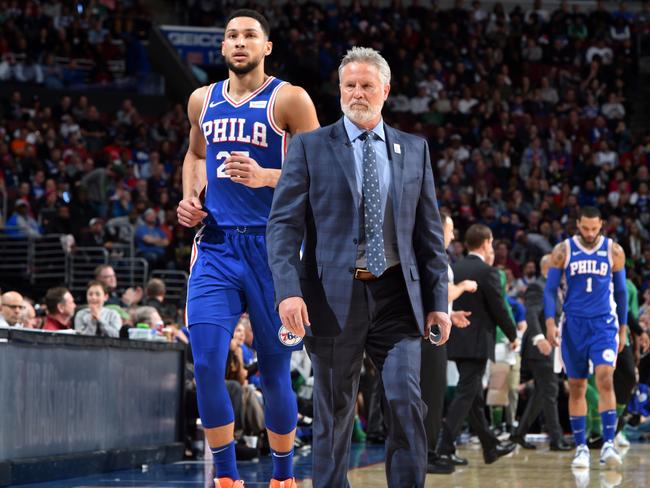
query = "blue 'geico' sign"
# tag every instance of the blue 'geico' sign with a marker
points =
(197, 45)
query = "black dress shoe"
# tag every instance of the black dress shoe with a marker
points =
(521, 440)
(494, 453)
(245, 453)
(560, 446)
(436, 466)
(453, 460)
(375, 439)
(595, 442)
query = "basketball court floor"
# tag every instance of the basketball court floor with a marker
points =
(522, 469)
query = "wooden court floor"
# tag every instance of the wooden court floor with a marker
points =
(521, 469)
(526, 469)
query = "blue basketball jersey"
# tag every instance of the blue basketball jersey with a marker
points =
(246, 127)
(588, 273)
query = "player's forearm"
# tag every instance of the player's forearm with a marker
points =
(550, 325)
(194, 179)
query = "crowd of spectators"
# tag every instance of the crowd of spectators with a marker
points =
(116, 192)
(102, 313)
(527, 112)
(61, 44)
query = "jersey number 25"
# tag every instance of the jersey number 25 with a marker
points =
(221, 170)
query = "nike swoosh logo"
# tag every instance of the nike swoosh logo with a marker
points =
(575, 253)
(214, 104)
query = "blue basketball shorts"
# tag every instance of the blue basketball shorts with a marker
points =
(229, 274)
(585, 339)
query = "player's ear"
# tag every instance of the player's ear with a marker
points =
(268, 48)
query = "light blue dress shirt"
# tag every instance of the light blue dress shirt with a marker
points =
(385, 186)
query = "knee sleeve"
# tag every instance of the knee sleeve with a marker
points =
(280, 407)
(210, 346)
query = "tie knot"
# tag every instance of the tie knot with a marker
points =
(369, 135)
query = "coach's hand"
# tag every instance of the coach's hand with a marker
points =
(622, 337)
(293, 314)
(246, 171)
(190, 212)
(443, 321)
(552, 332)
(545, 347)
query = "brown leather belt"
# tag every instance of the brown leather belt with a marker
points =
(363, 274)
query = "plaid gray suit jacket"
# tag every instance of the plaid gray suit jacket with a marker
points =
(316, 202)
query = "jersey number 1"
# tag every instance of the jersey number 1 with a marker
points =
(221, 170)
(589, 285)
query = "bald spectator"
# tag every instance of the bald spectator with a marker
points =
(60, 309)
(12, 309)
(147, 316)
(28, 317)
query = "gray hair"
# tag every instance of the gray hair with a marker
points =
(143, 314)
(370, 56)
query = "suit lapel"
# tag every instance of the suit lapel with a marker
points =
(396, 159)
(344, 156)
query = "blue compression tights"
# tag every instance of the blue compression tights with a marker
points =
(210, 345)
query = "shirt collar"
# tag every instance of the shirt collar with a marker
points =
(354, 132)
(471, 253)
(57, 322)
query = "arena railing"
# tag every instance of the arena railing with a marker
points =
(15, 261)
(82, 262)
(125, 234)
(3, 207)
(49, 260)
(130, 271)
(35, 260)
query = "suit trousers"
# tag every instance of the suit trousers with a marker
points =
(544, 399)
(468, 401)
(381, 323)
(375, 420)
(433, 383)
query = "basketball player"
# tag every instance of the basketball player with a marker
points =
(595, 310)
(238, 136)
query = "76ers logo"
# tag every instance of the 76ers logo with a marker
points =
(287, 337)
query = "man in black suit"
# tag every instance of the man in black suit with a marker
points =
(433, 376)
(536, 353)
(472, 346)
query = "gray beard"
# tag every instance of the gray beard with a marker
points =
(358, 116)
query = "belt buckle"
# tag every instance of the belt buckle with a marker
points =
(242, 230)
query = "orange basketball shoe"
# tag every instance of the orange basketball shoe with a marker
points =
(228, 483)
(291, 483)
